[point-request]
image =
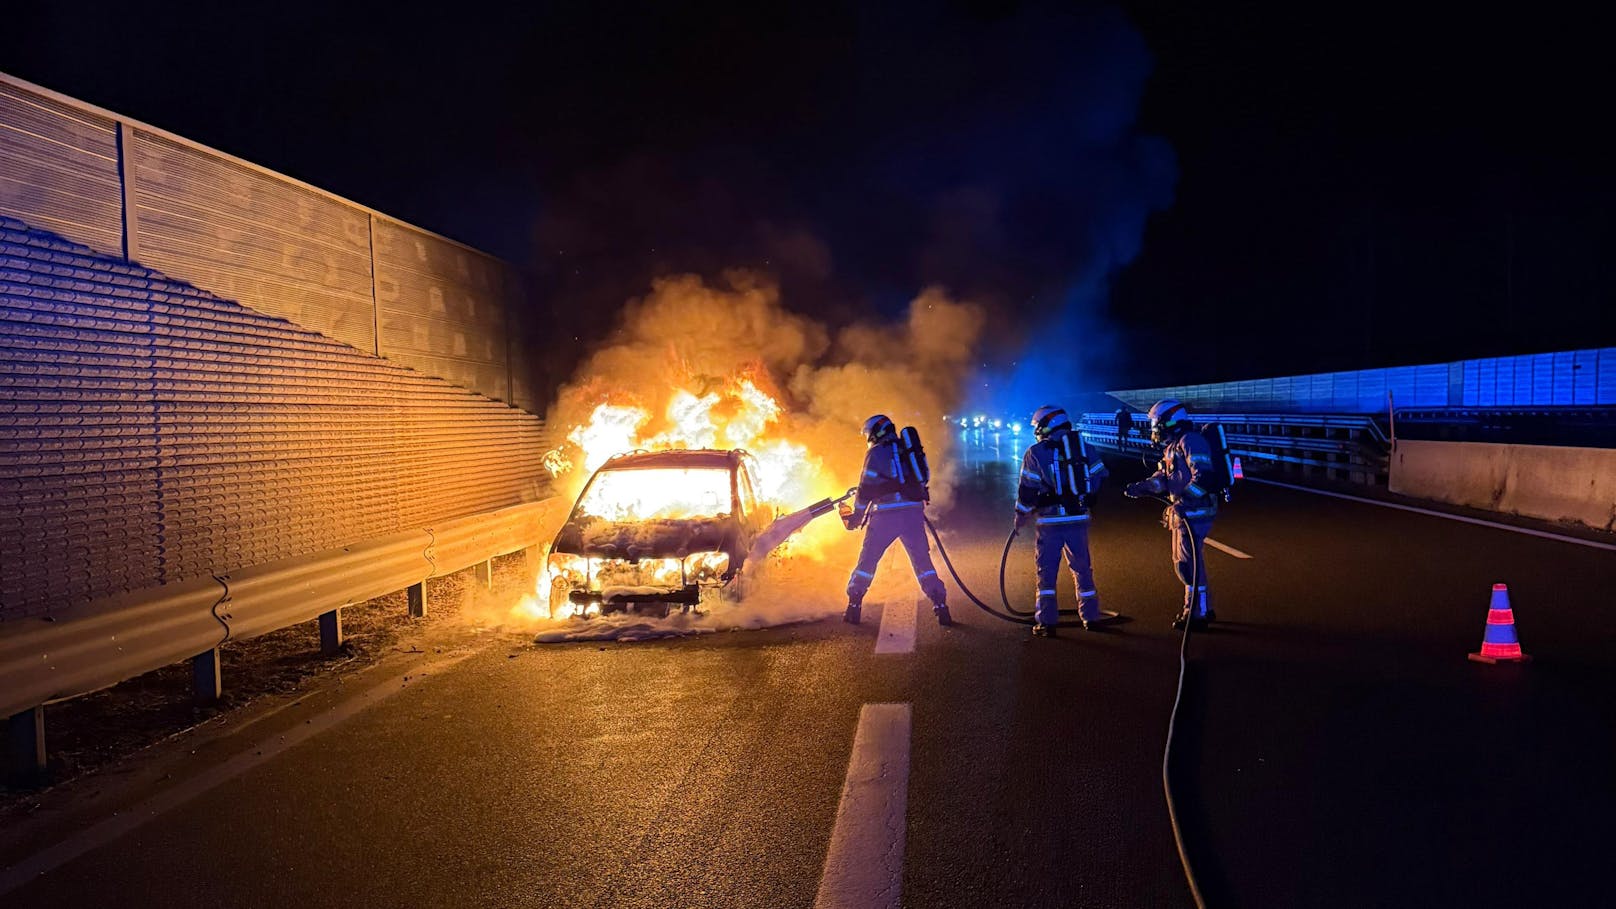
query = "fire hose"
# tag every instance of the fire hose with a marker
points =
(1013, 615)
(1172, 718)
(1010, 614)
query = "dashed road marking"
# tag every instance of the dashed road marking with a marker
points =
(864, 866)
(897, 628)
(1223, 547)
(1594, 544)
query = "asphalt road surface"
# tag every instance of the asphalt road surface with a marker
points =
(1335, 748)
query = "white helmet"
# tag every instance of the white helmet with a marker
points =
(1167, 416)
(877, 428)
(1048, 420)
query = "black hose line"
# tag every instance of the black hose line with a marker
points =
(1020, 618)
(1011, 615)
(1172, 718)
(1005, 597)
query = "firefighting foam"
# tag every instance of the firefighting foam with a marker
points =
(727, 365)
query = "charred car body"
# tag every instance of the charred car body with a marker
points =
(656, 529)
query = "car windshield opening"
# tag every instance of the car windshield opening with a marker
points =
(657, 493)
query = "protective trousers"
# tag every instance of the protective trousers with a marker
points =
(1073, 540)
(1197, 596)
(906, 523)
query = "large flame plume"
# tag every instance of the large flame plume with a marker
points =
(695, 365)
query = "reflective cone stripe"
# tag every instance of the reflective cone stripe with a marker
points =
(1239, 474)
(1498, 640)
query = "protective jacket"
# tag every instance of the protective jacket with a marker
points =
(1185, 472)
(1044, 491)
(885, 484)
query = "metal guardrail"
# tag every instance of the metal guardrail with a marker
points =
(128, 635)
(1349, 444)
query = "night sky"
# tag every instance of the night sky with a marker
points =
(1158, 192)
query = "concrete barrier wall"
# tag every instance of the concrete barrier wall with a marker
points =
(1541, 481)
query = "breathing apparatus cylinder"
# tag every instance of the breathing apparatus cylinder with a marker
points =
(1071, 471)
(912, 461)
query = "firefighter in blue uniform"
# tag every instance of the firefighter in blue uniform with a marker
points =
(1185, 476)
(890, 505)
(1060, 475)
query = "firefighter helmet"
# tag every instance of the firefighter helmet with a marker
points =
(877, 428)
(1167, 417)
(1048, 420)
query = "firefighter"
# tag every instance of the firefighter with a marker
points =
(1056, 490)
(1185, 476)
(890, 505)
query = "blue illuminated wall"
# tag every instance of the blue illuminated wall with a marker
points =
(1585, 378)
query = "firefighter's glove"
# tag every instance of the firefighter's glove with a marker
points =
(1141, 489)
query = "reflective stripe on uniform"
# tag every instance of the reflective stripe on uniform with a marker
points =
(863, 574)
(1193, 491)
(1046, 593)
(1029, 475)
(1096, 468)
(1086, 593)
(1198, 513)
(927, 574)
(1023, 508)
(1064, 519)
(893, 506)
(871, 473)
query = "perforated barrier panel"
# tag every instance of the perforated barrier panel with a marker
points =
(152, 433)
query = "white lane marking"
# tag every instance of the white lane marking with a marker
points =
(864, 867)
(897, 629)
(1595, 544)
(260, 752)
(1223, 547)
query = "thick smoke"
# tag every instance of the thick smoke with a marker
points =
(992, 152)
(691, 334)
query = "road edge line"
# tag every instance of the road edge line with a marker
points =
(1463, 519)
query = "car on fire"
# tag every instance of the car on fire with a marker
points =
(657, 529)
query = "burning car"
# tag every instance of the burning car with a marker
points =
(657, 529)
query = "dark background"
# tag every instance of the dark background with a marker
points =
(1157, 192)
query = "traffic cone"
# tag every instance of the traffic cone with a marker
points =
(1498, 642)
(1238, 473)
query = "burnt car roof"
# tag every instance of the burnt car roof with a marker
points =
(712, 458)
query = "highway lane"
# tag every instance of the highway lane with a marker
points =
(1338, 748)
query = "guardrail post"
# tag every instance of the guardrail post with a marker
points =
(207, 682)
(484, 573)
(25, 741)
(416, 594)
(331, 631)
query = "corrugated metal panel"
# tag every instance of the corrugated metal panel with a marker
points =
(443, 308)
(274, 246)
(59, 169)
(151, 433)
